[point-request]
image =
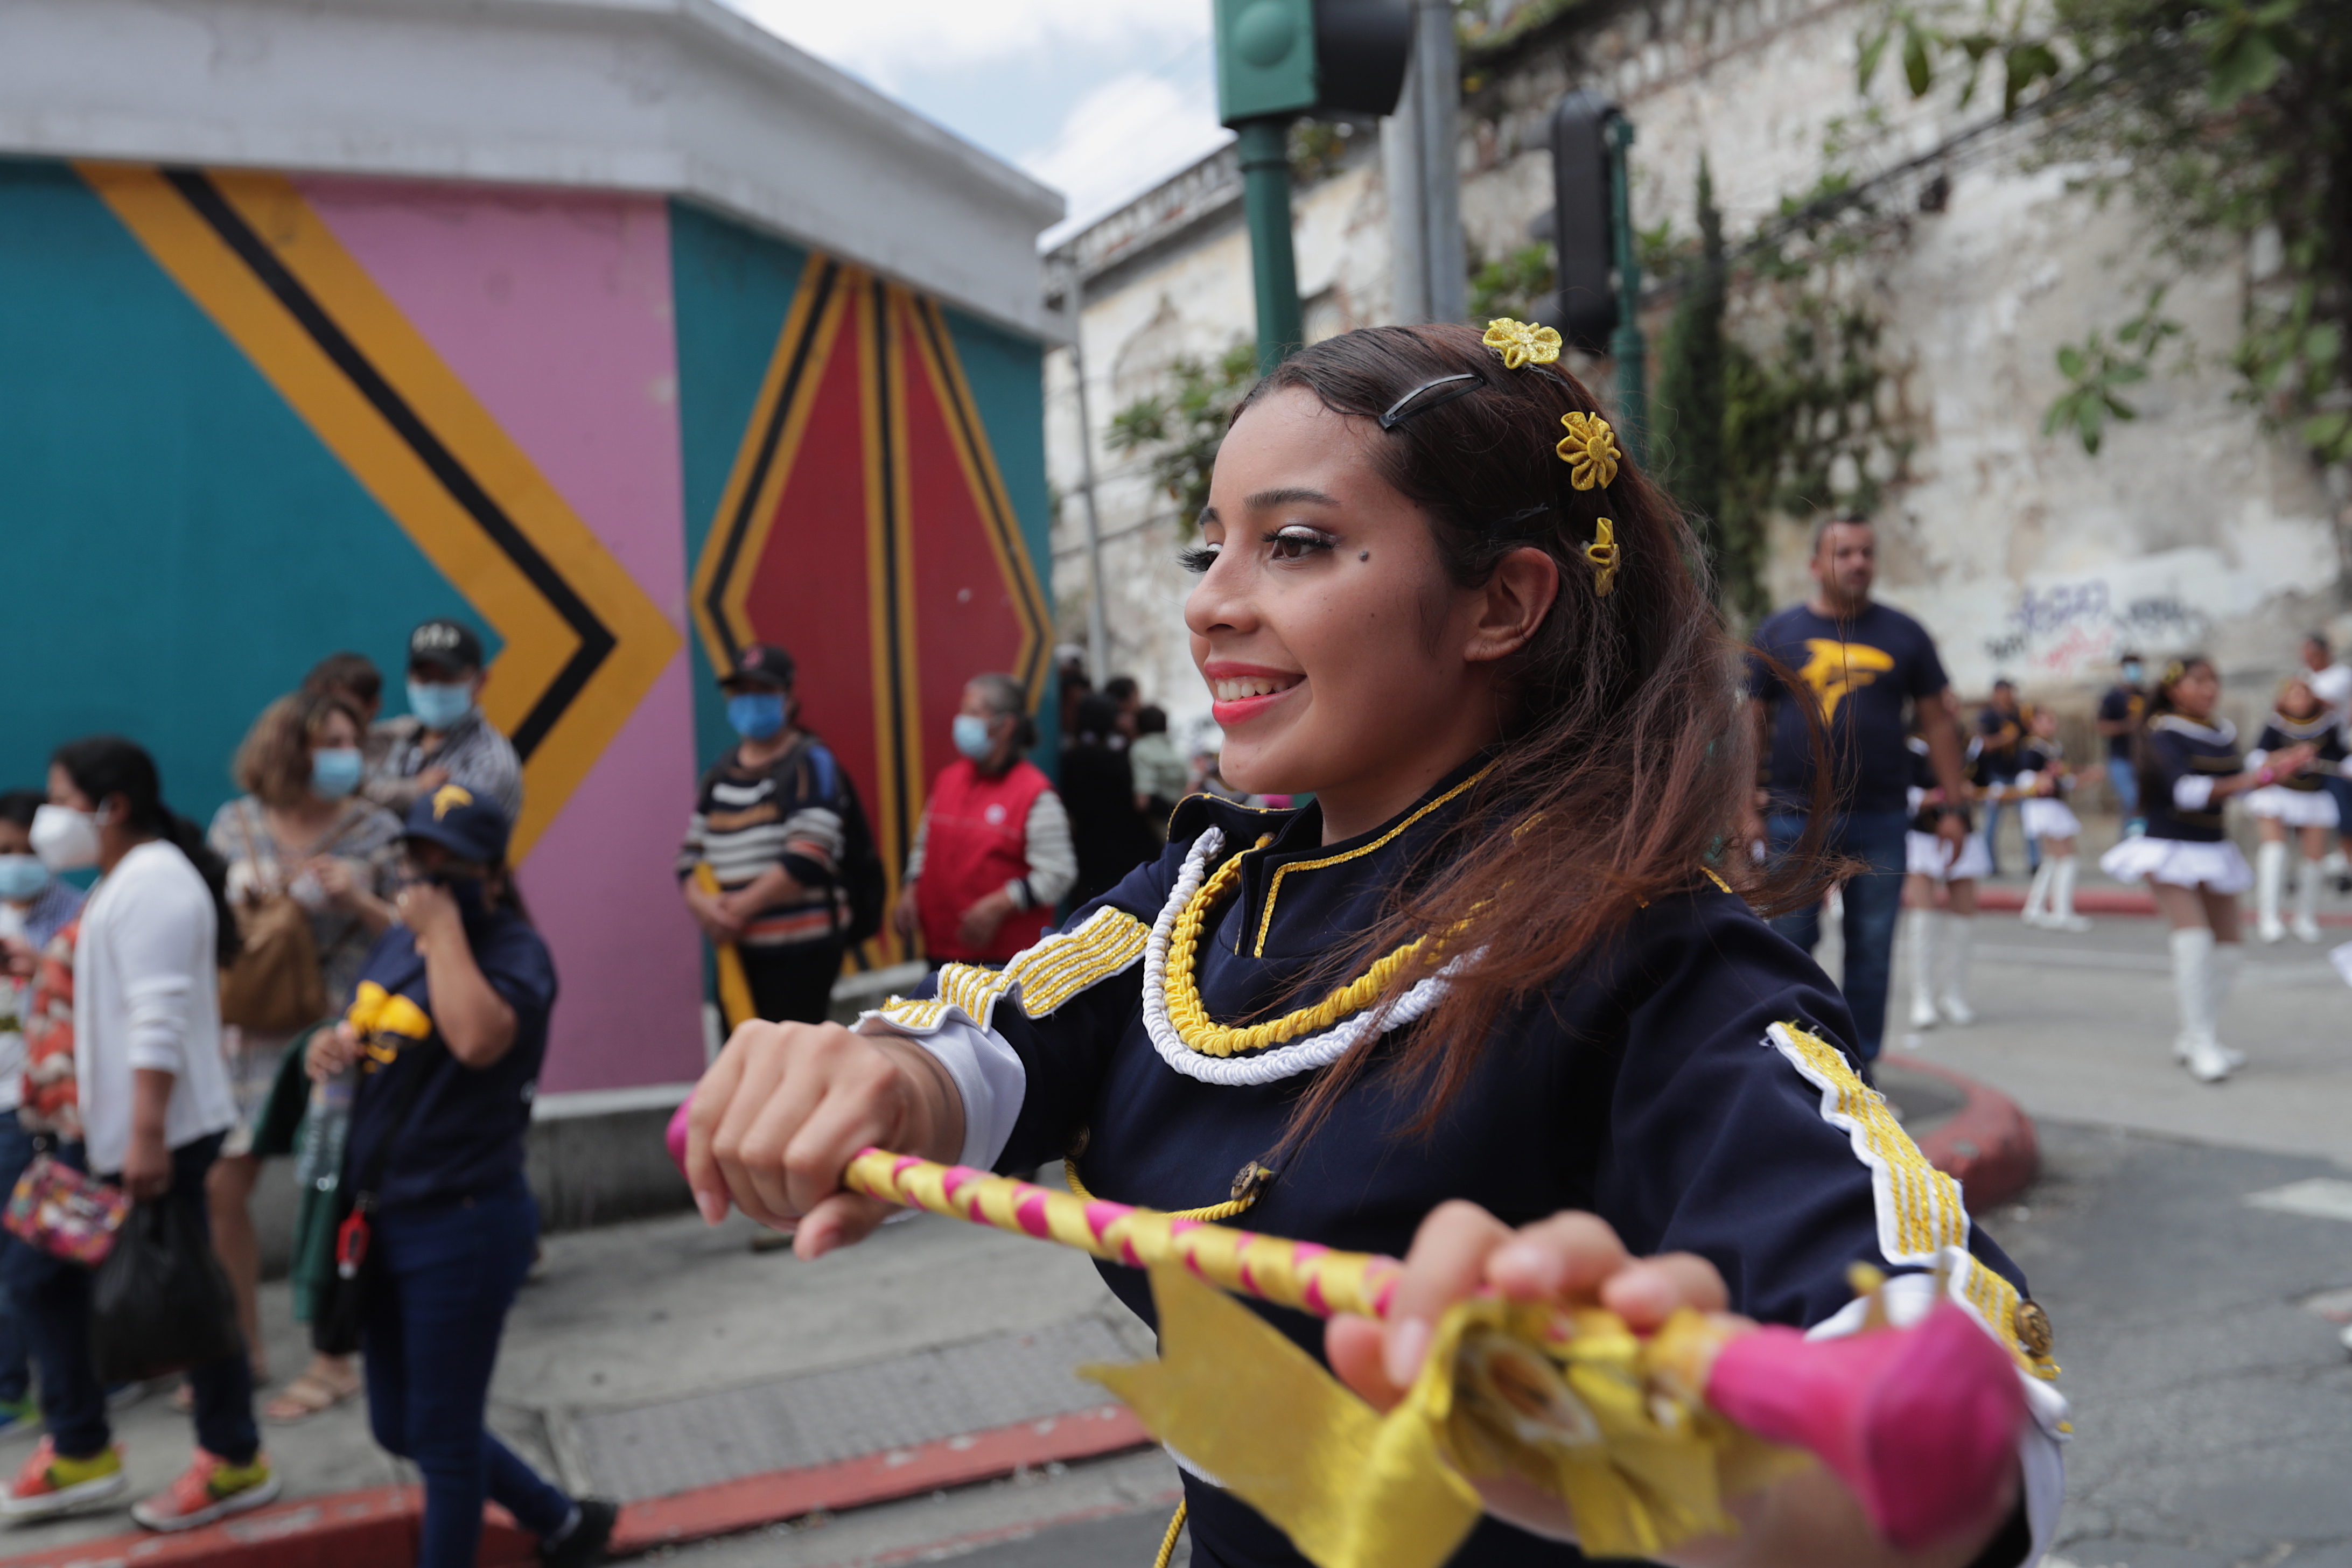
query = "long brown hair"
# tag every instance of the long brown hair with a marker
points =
(1627, 754)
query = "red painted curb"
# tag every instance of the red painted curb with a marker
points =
(877, 1477)
(377, 1528)
(2002, 900)
(1988, 1146)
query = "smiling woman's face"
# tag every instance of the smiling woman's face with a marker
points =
(1341, 659)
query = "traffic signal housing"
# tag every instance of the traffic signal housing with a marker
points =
(1585, 240)
(1302, 56)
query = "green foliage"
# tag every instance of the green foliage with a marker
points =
(1691, 417)
(1318, 148)
(2228, 121)
(1179, 431)
(1515, 286)
(2094, 369)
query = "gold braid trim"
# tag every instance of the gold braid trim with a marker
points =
(1209, 1216)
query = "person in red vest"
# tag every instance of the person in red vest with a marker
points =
(993, 856)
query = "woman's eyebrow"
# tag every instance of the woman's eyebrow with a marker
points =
(1292, 496)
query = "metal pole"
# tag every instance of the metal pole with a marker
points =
(1266, 197)
(1438, 78)
(1400, 167)
(1098, 623)
(1626, 346)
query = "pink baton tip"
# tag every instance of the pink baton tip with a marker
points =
(1921, 1424)
(1031, 1215)
(675, 1137)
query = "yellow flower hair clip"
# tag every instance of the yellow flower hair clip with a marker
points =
(1521, 344)
(1589, 450)
(1604, 554)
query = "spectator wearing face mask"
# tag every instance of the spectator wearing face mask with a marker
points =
(34, 907)
(299, 834)
(444, 738)
(354, 680)
(992, 857)
(153, 1107)
(770, 820)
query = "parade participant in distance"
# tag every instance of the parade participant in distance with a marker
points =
(2043, 782)
(1160, 773)
(2000, 731)
(770, 820)
(2331, 682)
(1939, 939)
(2188, 767)
(2121, 708)
(1488, 976)
(992, 857)
(1857, 665)
(444, 738)
(2297, 803)
(448, 1030)
(153, 1106)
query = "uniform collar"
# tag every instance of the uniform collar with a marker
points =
(2222, 734)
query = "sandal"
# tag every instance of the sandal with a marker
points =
(307, 1395)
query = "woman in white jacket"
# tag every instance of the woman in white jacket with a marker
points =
(155, 1105)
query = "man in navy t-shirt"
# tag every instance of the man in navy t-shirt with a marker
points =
(1859, 665)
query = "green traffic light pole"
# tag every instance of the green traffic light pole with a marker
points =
(1266, 198)
(1626, 346)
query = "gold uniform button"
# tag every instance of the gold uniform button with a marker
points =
(2033, 1330)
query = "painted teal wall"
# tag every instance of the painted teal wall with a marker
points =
(178, 548)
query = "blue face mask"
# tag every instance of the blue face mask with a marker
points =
(971, 737)
(2132, 672)
(22, 878)
(439, 707)
(756, 715)
(335, 772)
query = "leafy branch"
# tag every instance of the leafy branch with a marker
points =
(2095, 368)
(1186, 425)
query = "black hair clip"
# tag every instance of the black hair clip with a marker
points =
(1504, 526)
(1393, 418)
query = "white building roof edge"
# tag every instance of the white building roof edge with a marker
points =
(675, 96)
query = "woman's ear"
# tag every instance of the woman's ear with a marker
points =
(1518, 594)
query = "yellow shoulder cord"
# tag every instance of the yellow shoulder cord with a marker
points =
(1168, 1541)
(1248, 1182)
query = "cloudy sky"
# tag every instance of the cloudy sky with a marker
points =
(1096, 98)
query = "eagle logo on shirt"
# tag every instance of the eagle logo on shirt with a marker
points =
(1837, 667)
(448, 797)
(375, 1012)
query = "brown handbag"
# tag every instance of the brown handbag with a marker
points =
(274, 986)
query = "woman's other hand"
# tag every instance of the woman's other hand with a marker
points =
(977, 927)
(427, 910)
(780, 1113)
(332, 1051)
(906, 919)
(711, 912)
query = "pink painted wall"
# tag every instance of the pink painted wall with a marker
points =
(554, 308)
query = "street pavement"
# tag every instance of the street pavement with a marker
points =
(2198, 1329)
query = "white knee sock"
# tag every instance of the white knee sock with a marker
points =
(2307, 900)
(2062, 891)
(1920, 939)
(1959, 935)
(2038, 896)
(2270, 873)
(2192, 984)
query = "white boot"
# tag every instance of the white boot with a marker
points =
(2223, 969)
(1959, 935)
(1920, 939)
(2306, 924)
(2270, 873)
(2062, 896)
(2192, 986)
(2037, 897)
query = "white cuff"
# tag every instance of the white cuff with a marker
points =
(988, 1075)
(2192, 792)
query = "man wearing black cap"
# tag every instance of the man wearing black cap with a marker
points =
(771, 820)
(444, 738)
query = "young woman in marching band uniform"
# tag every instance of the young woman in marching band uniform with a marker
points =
(2043, 782)
(1939, 939)
(2189, 766)
(2298, 804)
(1486, 1002)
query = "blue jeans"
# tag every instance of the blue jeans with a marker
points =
(2126, 779)
(450, 1274)
(1994, 812)
(55, 1299)
(2341, 789)
(16, 1370)
(1872, 901)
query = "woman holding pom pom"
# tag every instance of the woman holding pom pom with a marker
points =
(1488, 1002)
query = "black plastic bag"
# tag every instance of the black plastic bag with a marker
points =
(159, 1304)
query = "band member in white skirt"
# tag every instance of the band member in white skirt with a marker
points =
(2188, 767)
(2043, 783)
(2300, 804)
(1939, 939)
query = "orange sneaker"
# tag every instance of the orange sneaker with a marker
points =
(50, 1484)
(209, 1489)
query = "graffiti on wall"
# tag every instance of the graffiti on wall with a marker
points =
(2075, 630)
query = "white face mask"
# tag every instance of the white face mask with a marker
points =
(65, 839)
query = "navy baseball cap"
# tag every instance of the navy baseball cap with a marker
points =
(761, 663)
(452, 817)
(444, 644)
